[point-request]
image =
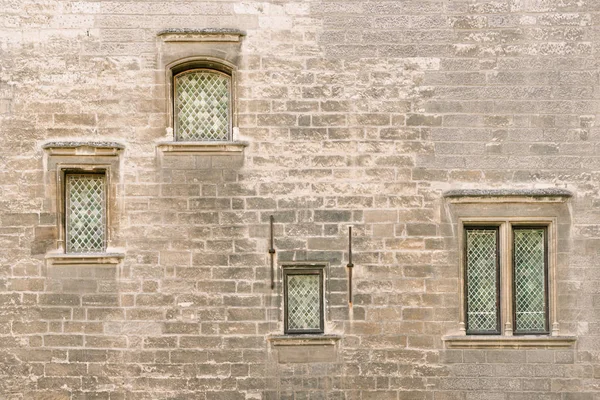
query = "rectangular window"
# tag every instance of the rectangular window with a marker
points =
(530, 271)
(85, 212)
(521, 280)
(303, 300)
(482, 280)
(202, 105)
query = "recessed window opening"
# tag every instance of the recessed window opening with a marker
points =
(85, 212)
(303, 300)
(202, 105)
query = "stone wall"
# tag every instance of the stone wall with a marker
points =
(356, 113)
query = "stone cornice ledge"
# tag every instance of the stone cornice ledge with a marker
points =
(304, 340)
(551, 195)
(83, 148)
(210, 148)
(508, 342)
(107, 259)
(201, 35)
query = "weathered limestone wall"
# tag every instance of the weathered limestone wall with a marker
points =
(357, 113)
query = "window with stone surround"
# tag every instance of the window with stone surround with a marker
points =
(202, 105)
(85, 212)
(200, 74)
(522, 281)
(512, 243)
(303, 299)
(82, 180)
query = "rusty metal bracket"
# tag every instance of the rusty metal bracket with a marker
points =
(272, 253)
(350, 266)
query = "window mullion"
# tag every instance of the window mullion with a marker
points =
(507, 279)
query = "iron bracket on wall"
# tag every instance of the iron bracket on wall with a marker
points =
(350, 265)
(272, 253)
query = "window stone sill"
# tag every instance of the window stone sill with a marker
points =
(508, 342)
(83, 148)
(106, 259)
(304, 340)
(202, 148)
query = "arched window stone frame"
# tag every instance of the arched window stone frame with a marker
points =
(181, 50)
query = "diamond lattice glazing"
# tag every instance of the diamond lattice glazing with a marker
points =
(202, 106)
(86, 213)
(304, 302)
(482, 308)
(530, 278)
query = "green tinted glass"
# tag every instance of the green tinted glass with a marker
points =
(86, 213)
(303, 302)
(530, 280)
(482, 280)
(202, 106)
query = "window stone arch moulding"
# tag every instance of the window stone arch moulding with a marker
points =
(181, 50)
(507, 208)
(62, 158)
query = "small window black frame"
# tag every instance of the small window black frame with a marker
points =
(304, 270)
(65, 199)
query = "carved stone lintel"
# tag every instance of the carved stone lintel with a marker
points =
(83, 148)
(201, 35)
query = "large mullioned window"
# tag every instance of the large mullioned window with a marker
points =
(522, 282)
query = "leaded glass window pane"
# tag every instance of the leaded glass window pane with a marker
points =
(530, 280)
(482, 280)
(304, 302)
(202, 105)
(85, 213)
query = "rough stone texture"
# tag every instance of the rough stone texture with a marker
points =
(357, 113)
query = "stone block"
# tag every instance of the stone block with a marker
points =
(306, 354)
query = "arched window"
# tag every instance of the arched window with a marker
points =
(202, 105)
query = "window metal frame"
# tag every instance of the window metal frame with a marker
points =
(65, 207)
(304, 270)
(496, 229)
(546, 330)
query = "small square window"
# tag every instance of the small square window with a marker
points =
(303, 300)
(202, 105)
(85, 212)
